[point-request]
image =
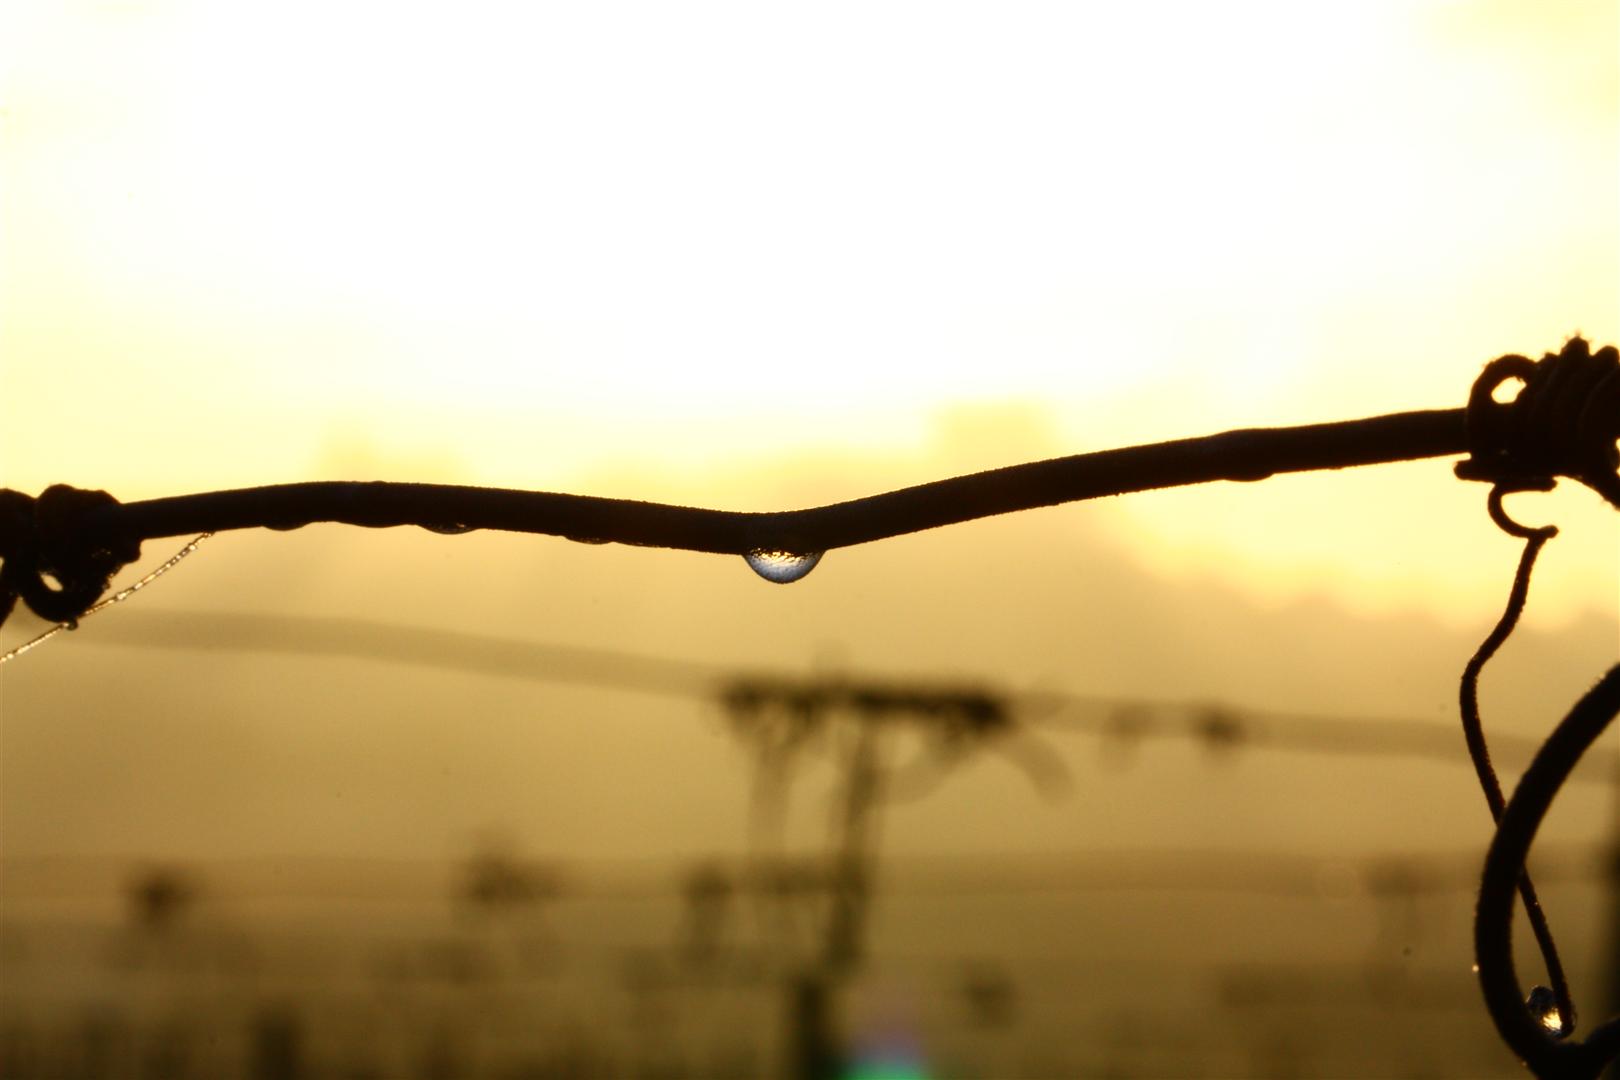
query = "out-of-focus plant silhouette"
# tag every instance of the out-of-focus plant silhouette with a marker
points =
(857, 723)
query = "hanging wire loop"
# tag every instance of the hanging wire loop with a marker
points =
(1479, 752)
(1525, 1033)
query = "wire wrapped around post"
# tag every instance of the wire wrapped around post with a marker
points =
(1563, 423)
(48, 539)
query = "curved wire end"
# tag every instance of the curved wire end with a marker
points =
(1548, 1012)
(1505, 522)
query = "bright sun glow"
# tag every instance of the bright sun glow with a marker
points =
(716, 208)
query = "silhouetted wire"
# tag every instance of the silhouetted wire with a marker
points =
(59, 552)
(1479, 753)
(1241, 455)
(1504, 868)
(81, 537)
(117, 597)
(1562, 423)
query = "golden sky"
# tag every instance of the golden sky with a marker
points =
(667, 250)
(763, 256)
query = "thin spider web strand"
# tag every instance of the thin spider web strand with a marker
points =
(118, 597)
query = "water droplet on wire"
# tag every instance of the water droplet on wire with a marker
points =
(782, 567)
(1543, 1005)
(447, 528)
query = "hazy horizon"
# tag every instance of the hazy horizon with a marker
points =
(764, 258)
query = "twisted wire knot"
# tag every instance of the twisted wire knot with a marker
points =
(45, 537)
(1564, 422)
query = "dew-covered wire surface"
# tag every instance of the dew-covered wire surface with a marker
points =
(82, 537)
(59, 552)
(1564, 423)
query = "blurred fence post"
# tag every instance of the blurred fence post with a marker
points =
(276, 1045)
(813, 1045)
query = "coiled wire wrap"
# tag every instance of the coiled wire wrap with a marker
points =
(1563, 423)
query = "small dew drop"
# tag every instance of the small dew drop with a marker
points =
(447, 528)
(1543, 1005)
(782, 567)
